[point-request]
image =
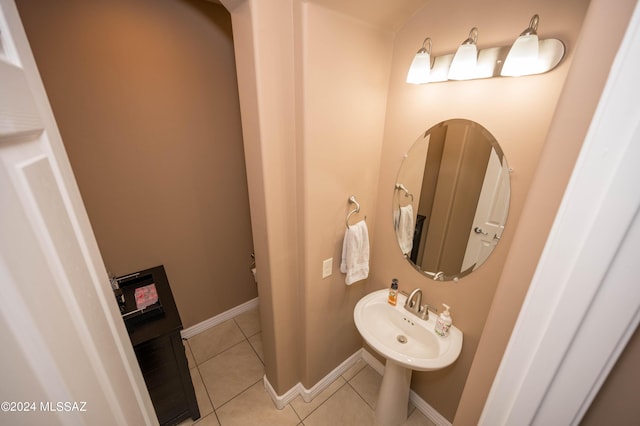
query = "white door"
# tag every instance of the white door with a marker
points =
(491, 213)
(66, 356)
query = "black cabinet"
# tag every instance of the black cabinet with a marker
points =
(155, 335)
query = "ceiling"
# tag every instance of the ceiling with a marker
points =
(386, 14)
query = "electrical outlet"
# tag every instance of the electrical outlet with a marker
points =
(327, 267)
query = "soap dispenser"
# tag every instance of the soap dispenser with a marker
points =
(443, 323)
(393, 292)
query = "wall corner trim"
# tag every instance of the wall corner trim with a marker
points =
(281, 401)
(219, 319)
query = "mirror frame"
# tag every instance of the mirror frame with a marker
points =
(457, 217)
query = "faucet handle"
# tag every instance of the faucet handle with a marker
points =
(423, 311)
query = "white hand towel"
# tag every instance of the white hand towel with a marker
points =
(406, 229)
(355, 253)
(396, 218)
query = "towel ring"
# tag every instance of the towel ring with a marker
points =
(402, 188)
(353, 200)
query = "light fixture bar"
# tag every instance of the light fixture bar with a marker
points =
(497, 61)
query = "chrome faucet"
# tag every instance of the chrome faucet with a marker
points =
(414, 305)
(414, 301)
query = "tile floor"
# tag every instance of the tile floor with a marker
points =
(227, 369)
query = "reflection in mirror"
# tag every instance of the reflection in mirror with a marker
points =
(451, 199)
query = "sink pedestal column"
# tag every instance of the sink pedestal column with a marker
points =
(393, 399)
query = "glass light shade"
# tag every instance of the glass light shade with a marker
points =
(464, 63)
(523, 57)
(420, 69)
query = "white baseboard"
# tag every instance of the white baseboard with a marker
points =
(427, 410)
(309, 394)
(281, 401)
(218, 319)
(372, 361)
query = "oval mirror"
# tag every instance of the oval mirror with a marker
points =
(451, 199)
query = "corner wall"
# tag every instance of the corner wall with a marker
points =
(313, 86)
(517, 111)
(267, 80)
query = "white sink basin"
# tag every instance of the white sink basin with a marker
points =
(402, 337)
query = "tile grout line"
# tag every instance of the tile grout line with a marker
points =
(220, 353)
(215, 355)
(197, 367)
(361, 397)
(238, 394)
(323, 402)
(246, 339)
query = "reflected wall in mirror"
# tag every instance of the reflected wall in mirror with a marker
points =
(451, 199)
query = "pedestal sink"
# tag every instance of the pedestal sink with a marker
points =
(408, 343)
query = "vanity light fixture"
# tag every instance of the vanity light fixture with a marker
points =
(465, 61)
(420, 68)
(528, 55)
(523, 55)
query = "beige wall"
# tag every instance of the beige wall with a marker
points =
(518, 113)
(345, 69)
(602, 31)
(145, 96)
